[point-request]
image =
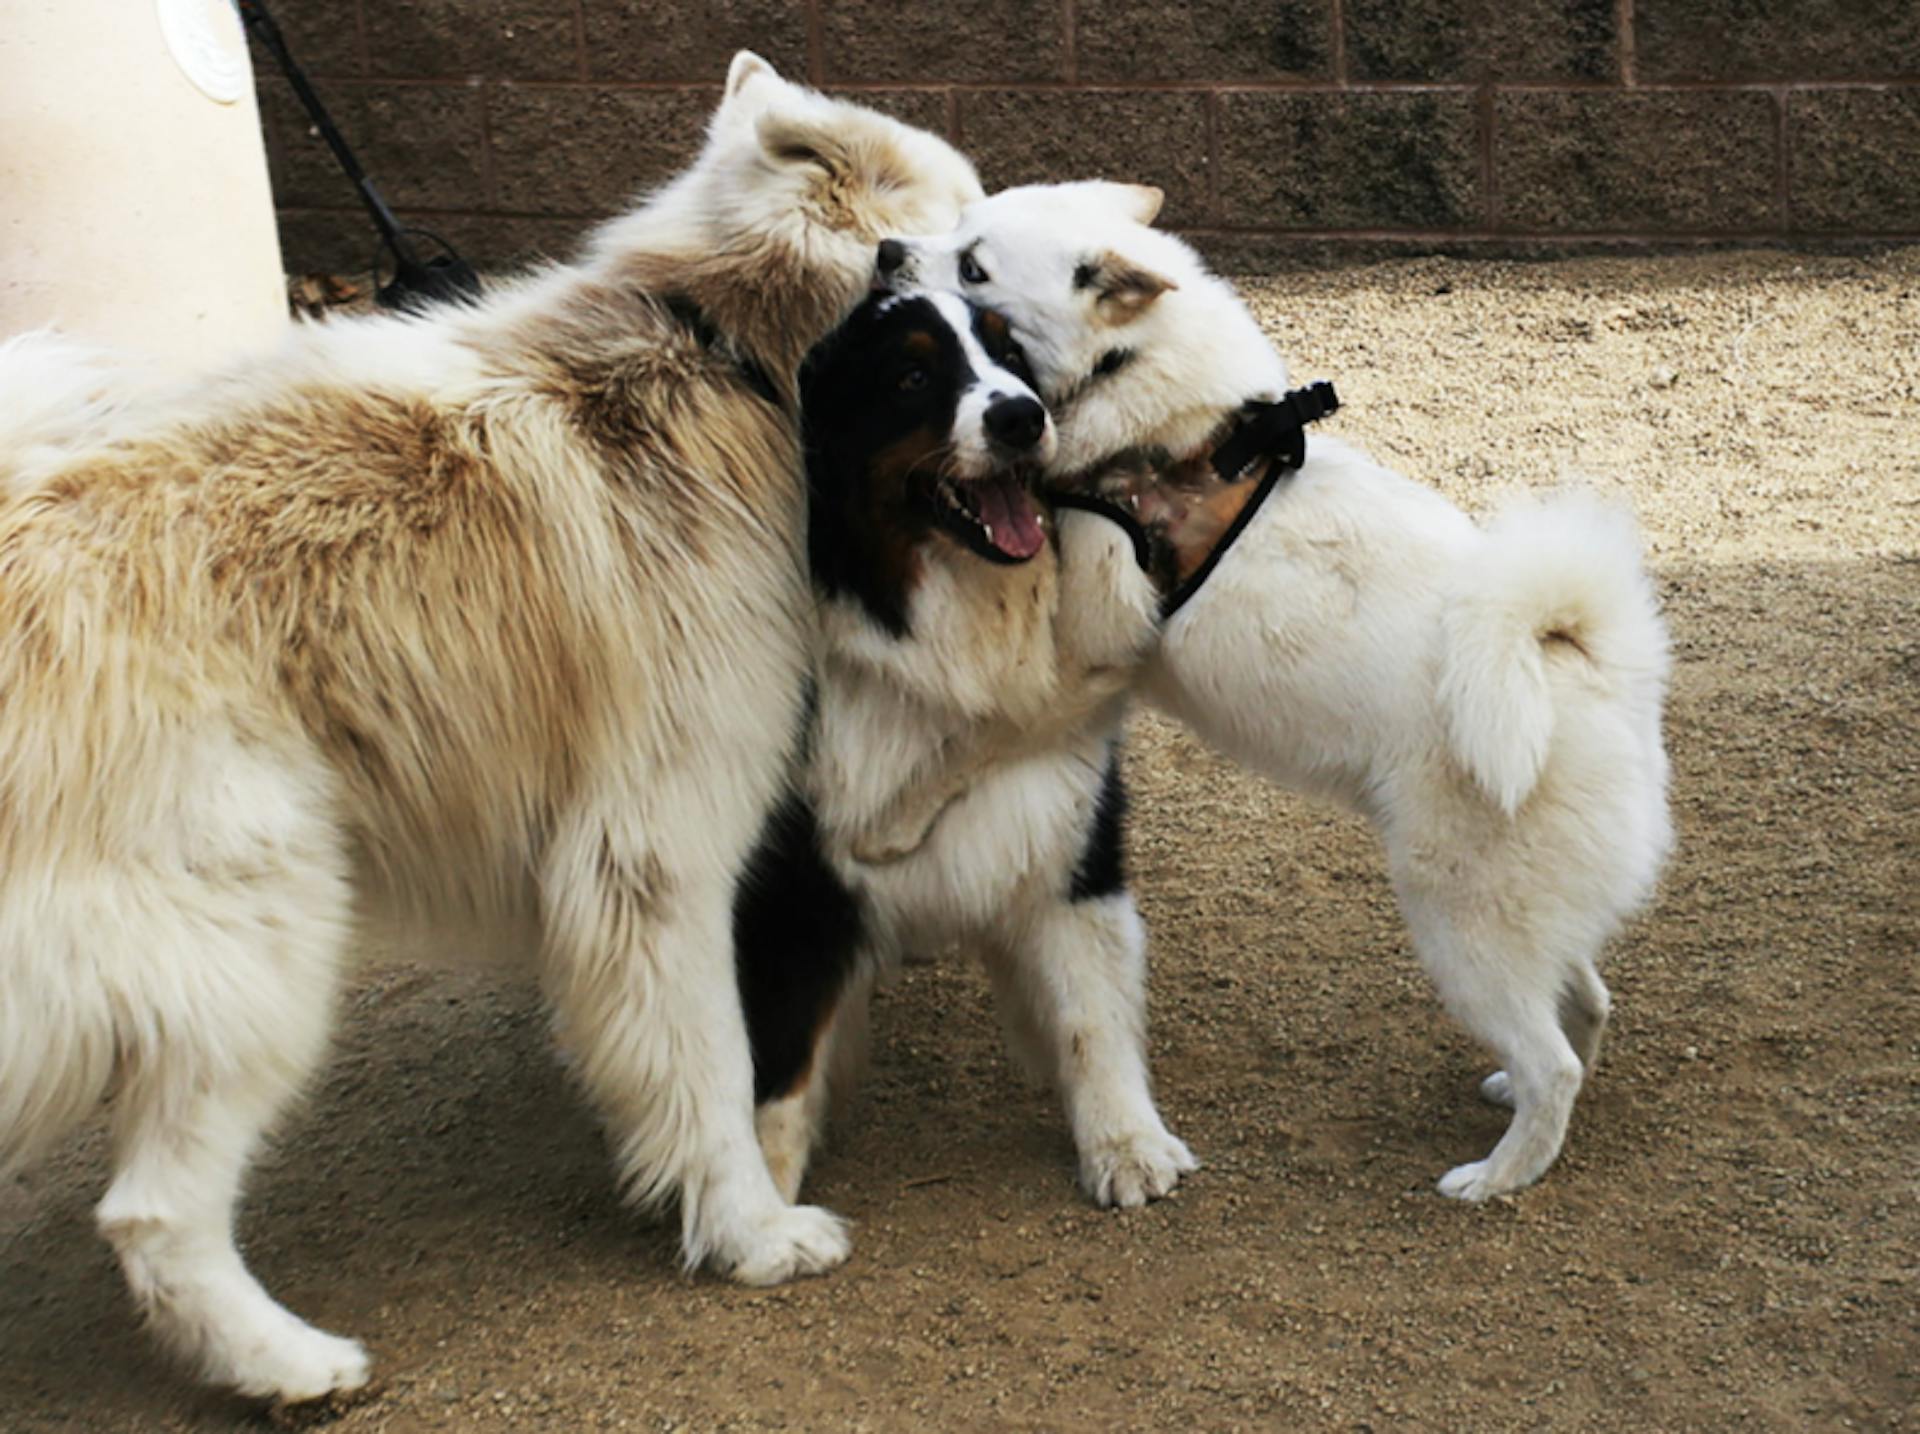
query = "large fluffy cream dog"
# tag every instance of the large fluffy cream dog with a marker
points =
(1488, 695)
(496, 620)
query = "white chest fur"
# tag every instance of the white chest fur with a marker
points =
(989, 649)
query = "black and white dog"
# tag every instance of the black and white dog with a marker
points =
(943, 614)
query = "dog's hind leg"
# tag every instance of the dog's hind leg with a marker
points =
(806, 976)
(640, 970)
(1584, 1005)
(229, 987)
(1507, 998)
(791, 1121)
(179, 1157)
(1028, 1041)
(1544, 1076)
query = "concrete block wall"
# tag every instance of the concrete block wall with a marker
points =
(1280, 129)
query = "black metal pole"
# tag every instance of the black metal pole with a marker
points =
(444, 278)
(263, 24)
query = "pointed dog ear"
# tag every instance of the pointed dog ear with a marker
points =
(753, 86)
(799, 139)
(1138, 202)
(746, 65)
(1142, 201)
(1122, 288)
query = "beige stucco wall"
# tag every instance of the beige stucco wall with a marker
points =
(134, 207)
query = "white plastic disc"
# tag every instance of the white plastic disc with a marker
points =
(209, 45)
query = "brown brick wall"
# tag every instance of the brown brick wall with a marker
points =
(1290, 128)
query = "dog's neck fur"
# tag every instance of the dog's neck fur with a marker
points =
(759, 293)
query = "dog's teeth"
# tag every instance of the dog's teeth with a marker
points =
(989, 528)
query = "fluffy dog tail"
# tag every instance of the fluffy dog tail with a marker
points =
(1559, 580)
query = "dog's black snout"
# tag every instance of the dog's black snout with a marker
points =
(1016, 423)
(891, 256)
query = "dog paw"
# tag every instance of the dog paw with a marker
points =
(894, 838)
(1131, 1170)
(799, 1240)
(301, 1365)
(1470, 1183)
(1497, 1089)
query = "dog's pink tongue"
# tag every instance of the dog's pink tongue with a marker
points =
(1011, 517)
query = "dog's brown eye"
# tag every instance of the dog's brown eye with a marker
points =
(913, 380)
(970, 269)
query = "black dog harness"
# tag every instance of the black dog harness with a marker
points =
(1274, 431)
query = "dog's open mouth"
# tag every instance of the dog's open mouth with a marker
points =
(996, 516)
(1181, 510)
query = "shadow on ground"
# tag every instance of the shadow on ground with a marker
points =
(1731, 1236)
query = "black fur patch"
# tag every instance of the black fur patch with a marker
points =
(796, 938)
(1102, 868)
(871, 429)
(1108, 364)
(996, 337)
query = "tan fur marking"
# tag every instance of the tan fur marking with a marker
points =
(888, 497)
(1125, 288)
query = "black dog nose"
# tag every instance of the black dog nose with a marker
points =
(891, 256)
(1016, 423)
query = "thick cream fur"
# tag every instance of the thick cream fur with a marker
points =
(494, 619)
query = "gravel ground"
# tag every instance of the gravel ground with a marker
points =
(1731, 1240)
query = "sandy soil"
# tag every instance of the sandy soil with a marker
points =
(1730, 1241)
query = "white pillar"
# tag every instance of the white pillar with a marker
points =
(134, 204)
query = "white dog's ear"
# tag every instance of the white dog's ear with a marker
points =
(1138, 202)
(1122, 288)
(753, 87)
(1141, 202)
(745, 67)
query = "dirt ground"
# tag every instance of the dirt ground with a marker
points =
(1731, 1241)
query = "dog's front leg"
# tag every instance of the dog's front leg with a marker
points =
(1072, 987)
(640, 971)
(1106, 621)
(792, 1120)
(1107, 616)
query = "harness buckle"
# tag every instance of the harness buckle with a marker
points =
(1276, 430)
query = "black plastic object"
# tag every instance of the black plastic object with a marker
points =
(415, 283)
(1277, 431)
